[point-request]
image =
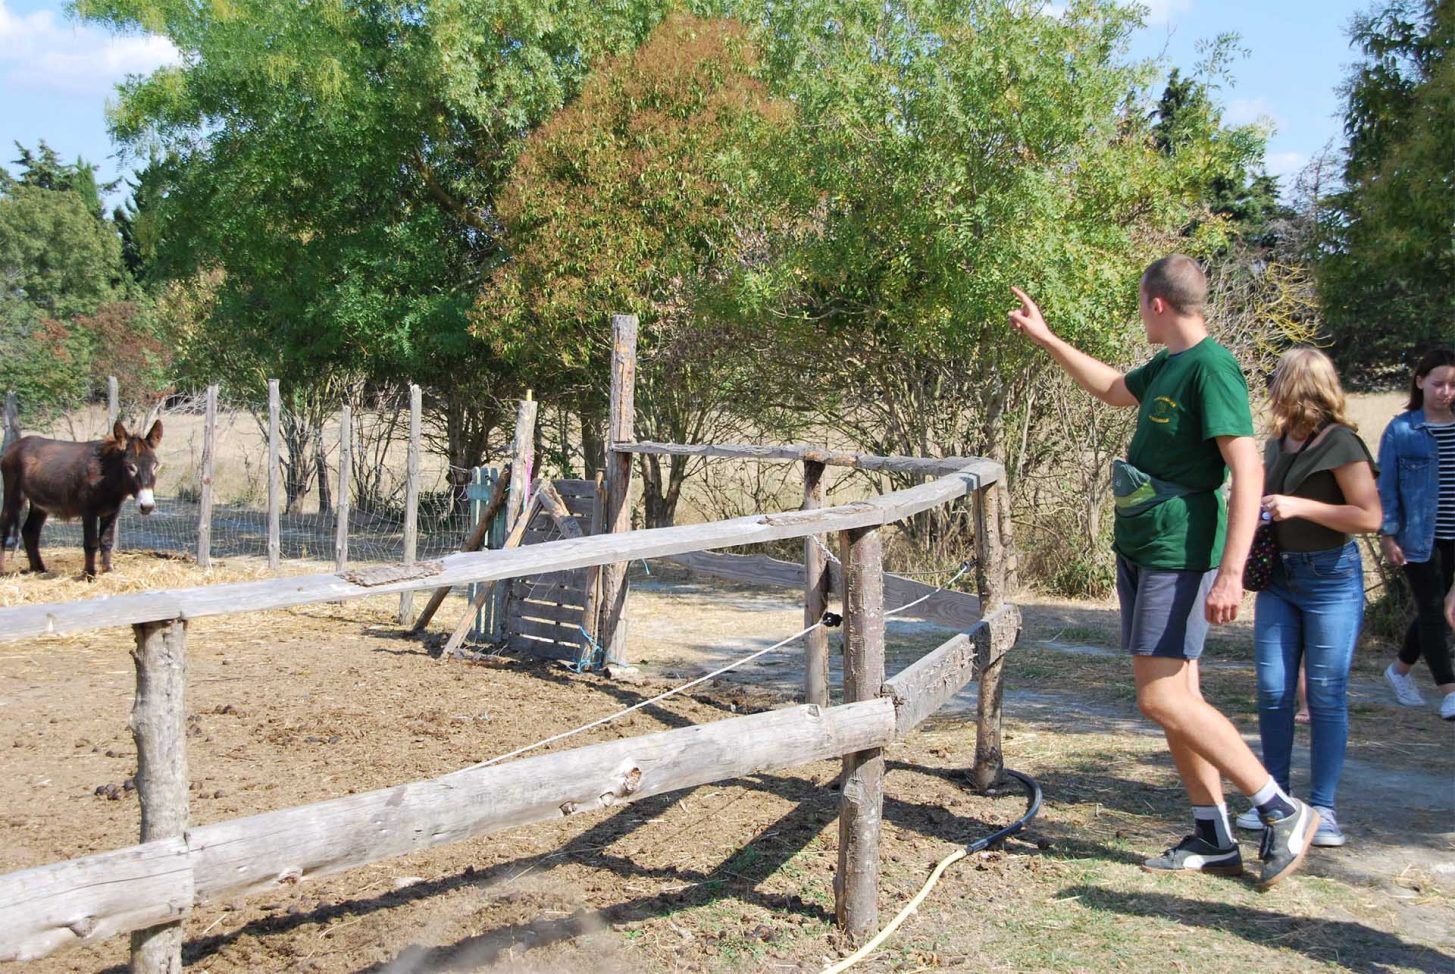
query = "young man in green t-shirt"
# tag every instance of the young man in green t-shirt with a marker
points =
(1180, 555)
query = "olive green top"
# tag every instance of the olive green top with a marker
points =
(1310, 474)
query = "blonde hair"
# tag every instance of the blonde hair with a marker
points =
(1304, 394)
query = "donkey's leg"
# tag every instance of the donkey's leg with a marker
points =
(90, 537)
(31, 534)
(9, 515)
(108, 539)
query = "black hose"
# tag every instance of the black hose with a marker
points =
(1033, 805)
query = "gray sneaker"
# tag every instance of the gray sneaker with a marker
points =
(1196, 854)
(1286, 841)
(1328, 834)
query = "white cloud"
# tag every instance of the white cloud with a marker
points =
(41, 54)
(1161, 12)
(1247, 111)
(1286, 164)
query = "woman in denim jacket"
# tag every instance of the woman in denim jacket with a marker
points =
(1417, 489)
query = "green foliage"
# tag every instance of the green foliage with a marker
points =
(45, 362)
(633, 199)
(57, 252)
(1387, 240)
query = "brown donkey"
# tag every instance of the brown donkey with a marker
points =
(85, 480)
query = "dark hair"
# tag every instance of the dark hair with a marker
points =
(1179, 281)
(1432, 360)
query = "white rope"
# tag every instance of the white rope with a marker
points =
(903, 608)
(647, 703)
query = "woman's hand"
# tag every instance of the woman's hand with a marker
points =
(1283, 507)
(1391, 550)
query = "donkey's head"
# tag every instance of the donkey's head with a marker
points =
(139, 463)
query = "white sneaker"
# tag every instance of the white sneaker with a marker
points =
(1447, 707)
(1405, 690)
(1249, 820)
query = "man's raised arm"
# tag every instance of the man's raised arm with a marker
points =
(1093, 375)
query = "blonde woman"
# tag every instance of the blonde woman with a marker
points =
(1319, 490)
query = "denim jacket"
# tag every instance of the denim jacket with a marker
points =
(1409, 484)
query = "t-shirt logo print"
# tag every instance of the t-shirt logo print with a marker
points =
(1163, 409)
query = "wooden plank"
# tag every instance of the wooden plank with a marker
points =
(538, 629)
(621, 428)
(411, 499)
(113, 403)
(204, 481)
(930, 466)
(275, 477)
(861, 798)
(926, 685)
(21, 622)
(158, 725)
(344, 497)
(990, 561)
(384, 574)
(273, 850)
(87, 900)
(472, 543)
(511, 541)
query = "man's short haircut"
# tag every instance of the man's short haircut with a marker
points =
(1179, 281)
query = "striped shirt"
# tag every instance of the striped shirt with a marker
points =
(1445, 513)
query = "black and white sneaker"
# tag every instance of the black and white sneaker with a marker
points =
(1285, 842)
(1196, 854)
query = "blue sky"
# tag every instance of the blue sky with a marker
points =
(56, 77)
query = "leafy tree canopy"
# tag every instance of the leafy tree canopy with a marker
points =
(1388, 241)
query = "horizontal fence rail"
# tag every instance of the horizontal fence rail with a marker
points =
(152, 885)
(968, 476)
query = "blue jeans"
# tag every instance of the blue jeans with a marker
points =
(1311, 611)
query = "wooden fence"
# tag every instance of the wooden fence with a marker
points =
(150, 888)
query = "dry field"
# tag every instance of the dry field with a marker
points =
(304, 705)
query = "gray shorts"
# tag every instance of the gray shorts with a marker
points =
(1163, 611)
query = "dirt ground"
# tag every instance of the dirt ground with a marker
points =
(310, 704)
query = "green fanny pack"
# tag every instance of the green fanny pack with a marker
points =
(1136, 491)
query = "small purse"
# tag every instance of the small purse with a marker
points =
(1263, 552)
(1261, 555)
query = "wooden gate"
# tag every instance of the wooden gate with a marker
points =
(552, 615)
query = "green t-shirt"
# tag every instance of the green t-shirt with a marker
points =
(1186, 400)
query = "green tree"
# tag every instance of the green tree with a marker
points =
(944, 152)
(632, 199)
(1388, 240)
(340, 163)
(57, 251)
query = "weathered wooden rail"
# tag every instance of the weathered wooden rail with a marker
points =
(149, 889)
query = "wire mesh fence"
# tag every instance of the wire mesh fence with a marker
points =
(308, 489)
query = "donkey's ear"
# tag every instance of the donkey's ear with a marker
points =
(118, 432)
(154, 435)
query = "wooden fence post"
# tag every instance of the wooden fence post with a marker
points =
(411, 502)
(815, 594)
(113, 413)
(275, 476)
(204, 481)
(861, 802)
(990, 579)
(158, 723)
(518, 495)
(12, 421)
(620, 429)
(345, 471)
